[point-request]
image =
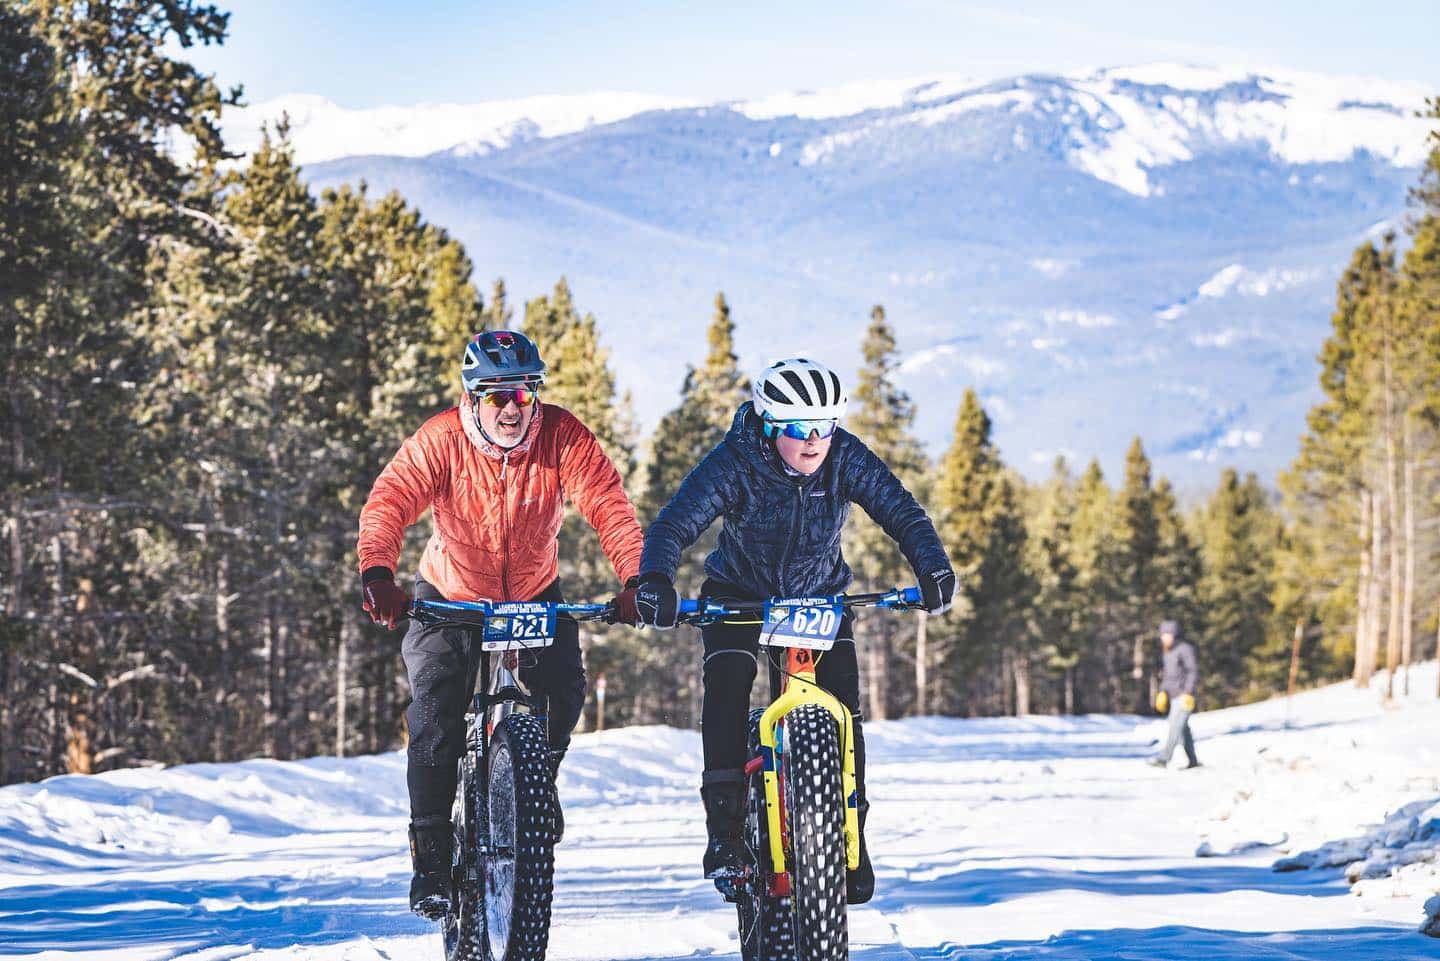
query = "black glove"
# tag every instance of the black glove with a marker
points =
(656, 601)
(622, 607)
(937, 591)
(383, 600)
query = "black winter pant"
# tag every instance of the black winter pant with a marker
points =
(442, 664)
(732, 658)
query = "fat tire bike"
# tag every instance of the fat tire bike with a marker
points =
(503, 855)
(801, 820)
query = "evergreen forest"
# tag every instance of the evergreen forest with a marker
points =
(207, 363)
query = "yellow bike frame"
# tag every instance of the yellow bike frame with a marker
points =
(799, 688)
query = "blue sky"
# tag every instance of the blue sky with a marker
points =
(367, 52)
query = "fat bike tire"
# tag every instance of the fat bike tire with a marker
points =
(462, 927)
(815, 811)
(518, 873)
(767, 929)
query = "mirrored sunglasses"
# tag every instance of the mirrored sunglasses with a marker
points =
(502, 396)
(802, 429)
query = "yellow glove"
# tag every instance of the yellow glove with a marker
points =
(1162, 703)
(1187, 701)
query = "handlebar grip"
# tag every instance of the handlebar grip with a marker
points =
(689, 606)
(910, 595)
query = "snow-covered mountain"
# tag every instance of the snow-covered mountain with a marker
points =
(1144, 250)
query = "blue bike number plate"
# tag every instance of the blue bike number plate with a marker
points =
(809, 622)
(518, 626)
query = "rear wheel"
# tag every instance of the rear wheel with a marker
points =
(518, 868)
(815, 812)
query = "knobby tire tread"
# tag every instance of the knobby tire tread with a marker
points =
(534, 840)
(815, 803)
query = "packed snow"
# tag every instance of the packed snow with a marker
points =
(1017, 838)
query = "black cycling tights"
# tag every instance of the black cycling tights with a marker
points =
(732, 654)
(442, 667)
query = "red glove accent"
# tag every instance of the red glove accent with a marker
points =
(624, 606)
(384, 602)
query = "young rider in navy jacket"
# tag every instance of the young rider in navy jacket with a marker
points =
(783, 479)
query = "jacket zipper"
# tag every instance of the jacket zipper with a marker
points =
(504, 528)
(796, 517)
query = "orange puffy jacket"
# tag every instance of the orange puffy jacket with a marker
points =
(497, 511)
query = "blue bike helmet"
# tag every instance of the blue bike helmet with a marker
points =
(496, 358)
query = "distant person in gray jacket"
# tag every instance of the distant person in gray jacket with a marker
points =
(1177, 693)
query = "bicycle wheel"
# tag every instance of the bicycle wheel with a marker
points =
(518, 868)
(767, 929)
(815, 812)
(461, 928)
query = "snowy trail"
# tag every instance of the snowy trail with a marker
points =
(1034, 838)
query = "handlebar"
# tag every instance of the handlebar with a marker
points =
(430, 612)
(896, 599)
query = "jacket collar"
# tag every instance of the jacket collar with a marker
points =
(745, 437)
(494, 451)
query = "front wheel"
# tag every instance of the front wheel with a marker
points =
(767, 929)
(518, 860)
(815, 812)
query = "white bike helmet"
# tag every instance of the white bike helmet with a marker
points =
(799, 389)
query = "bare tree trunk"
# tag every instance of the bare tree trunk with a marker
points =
(1374, 600)
(875, 670)
(220, 734)
(1070, 689)
(1407, 619)
(1295, 657)
(342, 682)
(1362, 594)
(1137, 672)
(921, 680)
(1392, 498)
(1022, 685)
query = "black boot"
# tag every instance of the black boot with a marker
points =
(430, 841)
(723, 792)
(860, 883)
(555, 757)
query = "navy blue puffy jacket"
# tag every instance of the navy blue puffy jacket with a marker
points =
(781, 534)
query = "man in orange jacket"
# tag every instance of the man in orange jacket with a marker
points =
(495, 471)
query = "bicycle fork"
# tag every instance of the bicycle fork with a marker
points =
(802, 689)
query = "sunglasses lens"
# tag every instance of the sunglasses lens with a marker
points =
(523, 397)
(802, 429)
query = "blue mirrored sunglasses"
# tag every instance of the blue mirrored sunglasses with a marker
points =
(802, 429)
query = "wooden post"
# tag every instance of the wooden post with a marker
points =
(600, 703)
(921, 703)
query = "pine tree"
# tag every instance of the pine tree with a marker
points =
(1058, 606)
(1240, 534)
(983, 531)
(883, 416)
(1139, 536)
(1098, 557)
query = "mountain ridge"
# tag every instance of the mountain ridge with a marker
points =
(1101, 255)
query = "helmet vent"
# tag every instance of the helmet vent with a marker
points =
(794, 380)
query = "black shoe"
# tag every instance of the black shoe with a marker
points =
(431, 839)
(860, 883)
(557, 814)
(723, 792)
(1192, 765)
(725, 858)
